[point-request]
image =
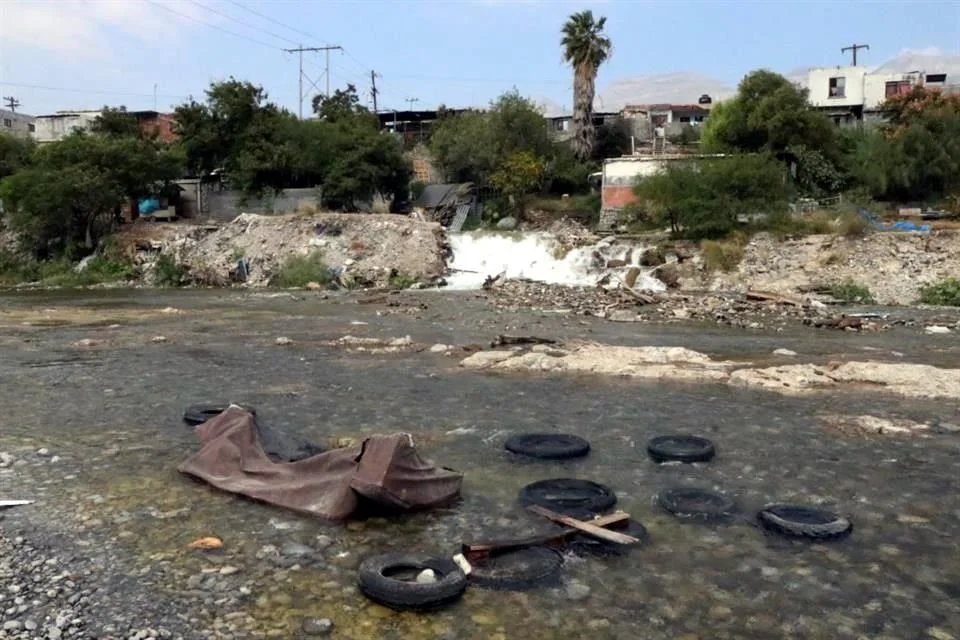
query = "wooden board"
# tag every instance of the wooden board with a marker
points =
(498, 546)
(585, 527)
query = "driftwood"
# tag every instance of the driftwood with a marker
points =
(503, 341)
(479, 550)
(585, 527)
(778, 298)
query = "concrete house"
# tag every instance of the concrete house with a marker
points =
(56, 126)
(851, 95)
(19, 125)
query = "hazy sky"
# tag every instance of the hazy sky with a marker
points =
(86, 53)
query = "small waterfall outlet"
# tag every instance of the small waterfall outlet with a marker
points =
(540, 256)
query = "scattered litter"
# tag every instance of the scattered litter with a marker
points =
(936, 330)
(427, 576)
(501, 341)
(208, 543)
(385, 470)
(283, 341)
(784, 352)
(158, 339)
(6, 504)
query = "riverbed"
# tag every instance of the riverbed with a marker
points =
(99, 382)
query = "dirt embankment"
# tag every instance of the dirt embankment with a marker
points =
(894, 266)
(367, 248)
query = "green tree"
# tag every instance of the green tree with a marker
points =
(343, 104)
(770, 114)
(585, 47)
(15, 153)
(116, 122)
(915, 155)
(470, 146)
(70, 195)
(520, 175)
(703, 199)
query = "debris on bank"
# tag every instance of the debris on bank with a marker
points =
(358, 249)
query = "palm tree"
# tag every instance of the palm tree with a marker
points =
(585, 47)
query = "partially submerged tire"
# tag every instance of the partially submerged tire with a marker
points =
(569, 496)
(381, 579)
(696, 503)
(548, 446)
(680, 448)
(804, 522)
(519, 570)
(588, 545)
(200, 413)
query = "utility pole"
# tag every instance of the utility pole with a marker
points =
(410, 101)
(854, 48)
(11, 102)
(373, 88)
(299, 50)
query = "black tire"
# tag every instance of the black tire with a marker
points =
(696, 503)
(680, 448)
(375, 580)
(804, 522)
(200, 413)
(548, 446)
(588, 545)
(569, 496)
(519, 570)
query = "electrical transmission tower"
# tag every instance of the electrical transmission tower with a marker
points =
(327, 49)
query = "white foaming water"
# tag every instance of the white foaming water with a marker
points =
(479, 254)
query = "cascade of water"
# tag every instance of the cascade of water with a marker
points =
(537, 256)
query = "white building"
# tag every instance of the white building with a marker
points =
(19, 125)
(60, 124)
(852, 94)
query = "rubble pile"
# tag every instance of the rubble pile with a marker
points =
(749, 310)
(894, 266)
(252, 248)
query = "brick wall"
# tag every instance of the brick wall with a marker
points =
(617, 196)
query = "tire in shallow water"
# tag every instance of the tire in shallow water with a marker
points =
(804, 522)
(518, 570)
(696, 503)
(588, 545)
(200, 413)
(569, 496)
(548, 446)
(680, 448)
(378, 580)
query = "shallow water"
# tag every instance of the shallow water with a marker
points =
(112, 412)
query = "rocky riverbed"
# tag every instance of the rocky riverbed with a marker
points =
(92, 433)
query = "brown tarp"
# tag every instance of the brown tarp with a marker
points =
(385, 469)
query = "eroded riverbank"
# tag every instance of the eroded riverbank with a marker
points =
(108, 412)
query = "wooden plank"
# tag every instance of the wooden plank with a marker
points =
(585, 527)
(477, 549)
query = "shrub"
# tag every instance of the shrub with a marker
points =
(402, 280)
(851, 291)
(785, 225)
(852, 225)
(722, 255)
(299, 271)
(945, 293)
(167, 273)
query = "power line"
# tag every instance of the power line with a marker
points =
(212, 26)
(243, 22)
(276, 22)
(92, 91)
(299, 50)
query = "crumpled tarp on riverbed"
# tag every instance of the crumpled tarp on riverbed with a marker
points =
(384, 469)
